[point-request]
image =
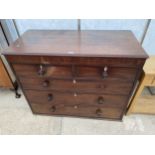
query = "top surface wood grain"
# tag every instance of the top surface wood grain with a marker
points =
(91, 43)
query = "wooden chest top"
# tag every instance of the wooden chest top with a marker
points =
(98, 43)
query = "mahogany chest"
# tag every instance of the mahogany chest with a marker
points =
(77, 73)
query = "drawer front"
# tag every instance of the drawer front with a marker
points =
(75, 99)
(37, 71)
(79, 72)
(106, 72)
(106, 86)
(124, 62)
(80, 111)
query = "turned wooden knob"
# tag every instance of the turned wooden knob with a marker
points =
(75, 94)
(53, 109)
(98, 112)
(74, 81)
(46, 83)
(100, 100)
(50, 97)
(105, 72)
(41, 71)
(75, 107)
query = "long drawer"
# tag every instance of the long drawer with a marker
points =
(80, 72)
(75, 99)
(81, 111)
(106, 86)
(123, 62)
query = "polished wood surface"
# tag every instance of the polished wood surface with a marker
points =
(105, 86)
(64, 60)
(77, 43)
(73, 99)
(92, 112)
(76, 72)
(70, 73)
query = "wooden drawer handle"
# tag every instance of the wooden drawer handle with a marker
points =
(41, 71)
(50, 97)
(53, 109)
(100, 100)
(105, 72)
(46, 83)
(75, 107)
(98, 112)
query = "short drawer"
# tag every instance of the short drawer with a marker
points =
(106, 72)
(81, 111)
(38, 71)
(75, 99)
(106, 86)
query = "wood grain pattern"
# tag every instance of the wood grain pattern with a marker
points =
(77, 43)
(64, 60)
(74, 72)
(106, 86)
(81, 111)
(72, 99)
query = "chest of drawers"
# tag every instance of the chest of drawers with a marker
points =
(71, 73)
